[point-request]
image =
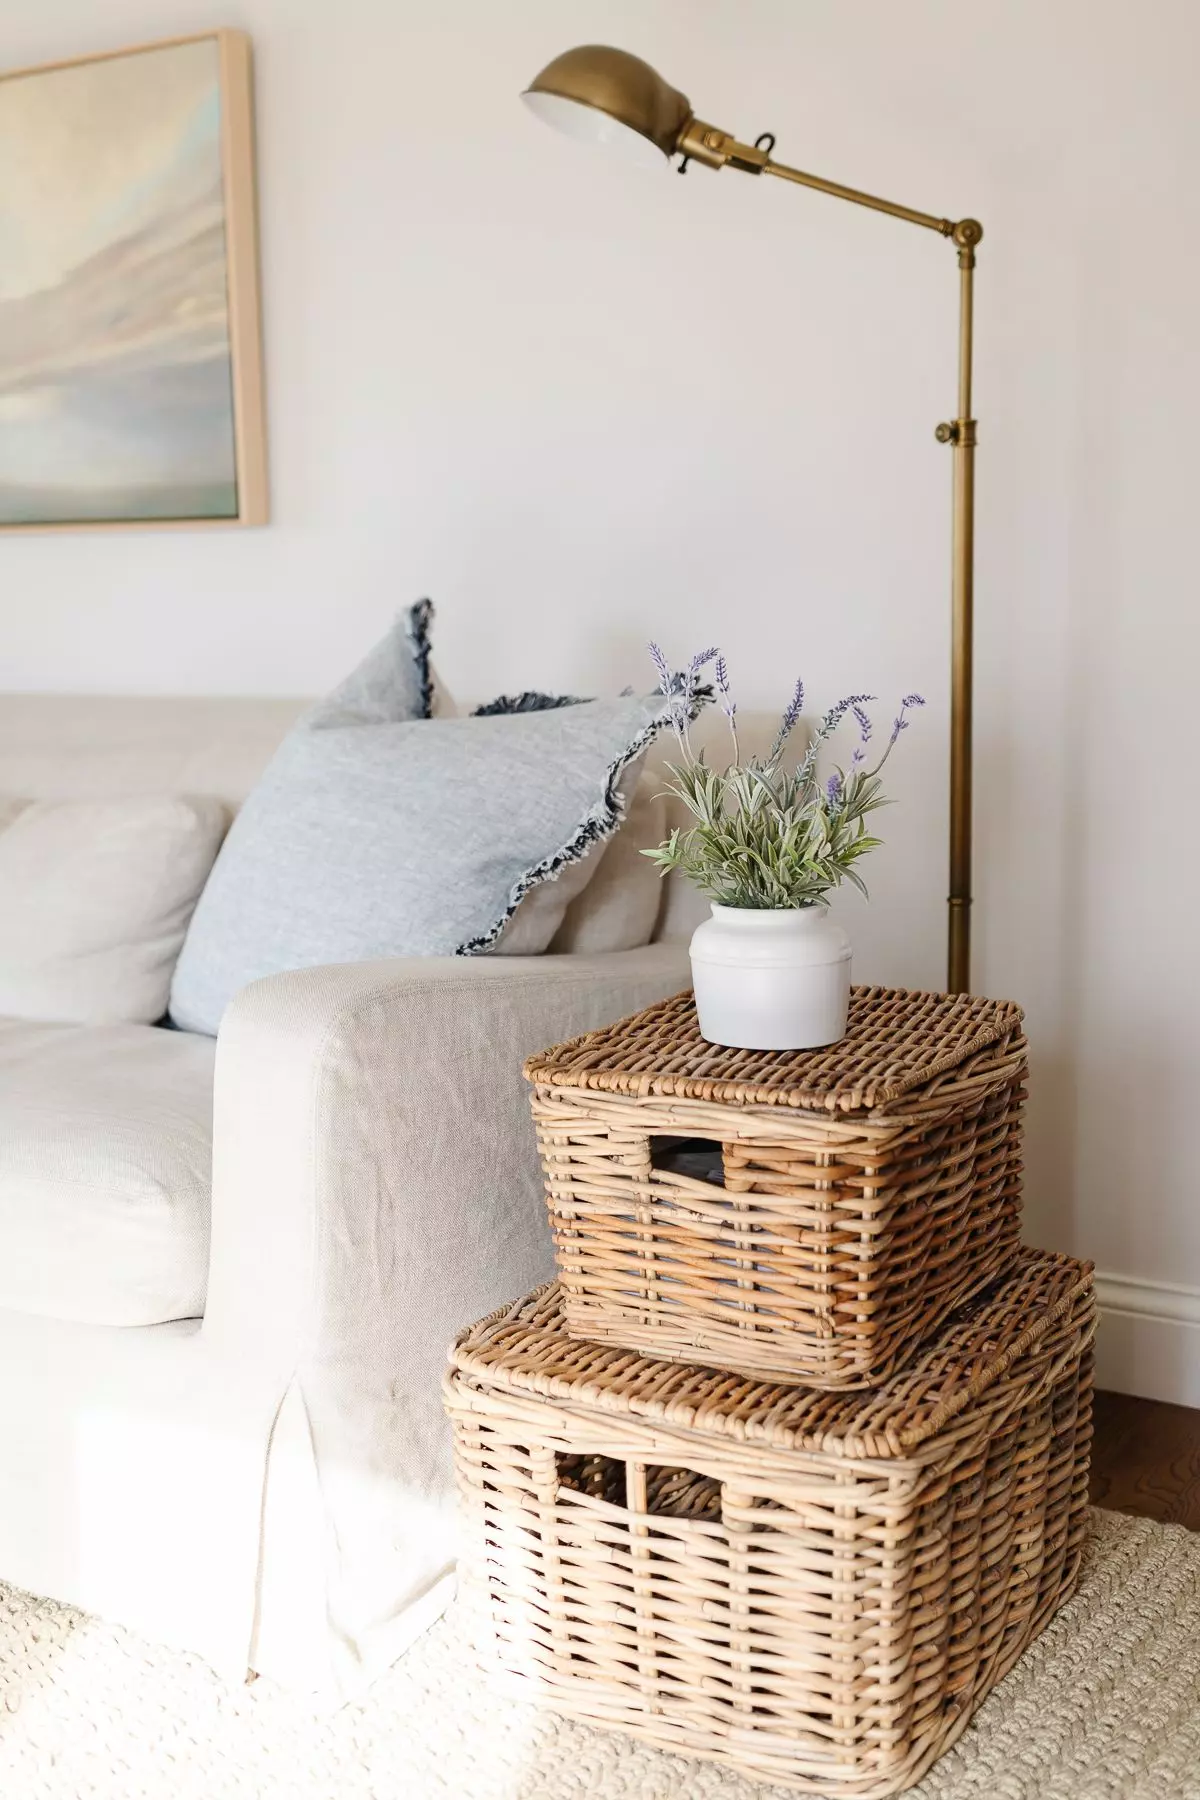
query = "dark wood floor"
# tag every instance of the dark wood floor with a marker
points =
(1146, 1459)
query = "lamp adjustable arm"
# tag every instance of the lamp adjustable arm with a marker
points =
(707, 144)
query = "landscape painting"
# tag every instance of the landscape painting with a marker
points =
(129, 339)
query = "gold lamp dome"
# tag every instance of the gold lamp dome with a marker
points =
(606, 96)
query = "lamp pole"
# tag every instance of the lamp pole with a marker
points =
(702, 143)
(961, 433)
(610, 96)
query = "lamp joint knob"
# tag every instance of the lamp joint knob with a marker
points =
(958, 431)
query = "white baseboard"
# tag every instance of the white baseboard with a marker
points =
(1149, 1339)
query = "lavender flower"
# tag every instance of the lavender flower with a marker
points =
(690, 678)
(728, 703)
(794, 707)
(826, 729)
(682, 689)
(673, 685)
(864, 736)
(788, 723)
(666, 678)
(900, 723)
(763, 836)
(852, 703)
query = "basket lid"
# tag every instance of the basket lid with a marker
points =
(525, 1349)
(897, 1042)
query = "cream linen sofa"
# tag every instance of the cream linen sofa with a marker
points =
(269, 1484)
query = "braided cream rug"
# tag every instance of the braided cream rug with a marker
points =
(1105, 1706)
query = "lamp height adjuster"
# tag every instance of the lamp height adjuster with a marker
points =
(958, 431)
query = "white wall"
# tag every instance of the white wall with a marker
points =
(577, 404)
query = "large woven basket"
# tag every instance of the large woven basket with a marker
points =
(849, 1198)
(817, 1588)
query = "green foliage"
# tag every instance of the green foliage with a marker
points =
(766, 837)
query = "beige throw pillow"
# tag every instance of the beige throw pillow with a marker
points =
(95, 898)
(542, 916)
(619, 907)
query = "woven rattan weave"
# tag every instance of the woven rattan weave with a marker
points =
(818, 1588)
(857, 1193)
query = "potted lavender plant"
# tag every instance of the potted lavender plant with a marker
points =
(768, 845)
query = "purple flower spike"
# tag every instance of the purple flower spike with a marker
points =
(728, 703)
(663, 666)
(852, 703)
(864, 722)
(788, 721)
(828, 726)
(900, 723)
(833, 789)
(691, 683)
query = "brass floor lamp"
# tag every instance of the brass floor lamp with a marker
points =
(609, 97)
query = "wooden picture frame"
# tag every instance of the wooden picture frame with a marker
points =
(138, 365)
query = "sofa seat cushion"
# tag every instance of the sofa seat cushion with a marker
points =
(105, 1171)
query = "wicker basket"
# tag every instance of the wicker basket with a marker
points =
(855, 1194)
(817, 1588)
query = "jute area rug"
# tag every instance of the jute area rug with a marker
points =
(1105, 1706)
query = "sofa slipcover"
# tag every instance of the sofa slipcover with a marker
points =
(270, 1486)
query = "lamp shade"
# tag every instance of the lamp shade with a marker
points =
(606, 96)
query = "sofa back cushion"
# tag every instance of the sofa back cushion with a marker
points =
(95, 898)
(112, 746)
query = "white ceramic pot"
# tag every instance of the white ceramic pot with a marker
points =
(771, 980)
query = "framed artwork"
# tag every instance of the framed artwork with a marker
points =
(130, 344)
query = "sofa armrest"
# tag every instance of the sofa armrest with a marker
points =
(376, 1186)
(374, 1160)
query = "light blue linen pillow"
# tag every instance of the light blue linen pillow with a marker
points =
(374, 836)
(393, 681)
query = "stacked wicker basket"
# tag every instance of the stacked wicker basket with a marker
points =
(790, 1464)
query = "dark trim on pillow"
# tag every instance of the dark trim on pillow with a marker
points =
(529, 701)
(604, 820)
(420, 618)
